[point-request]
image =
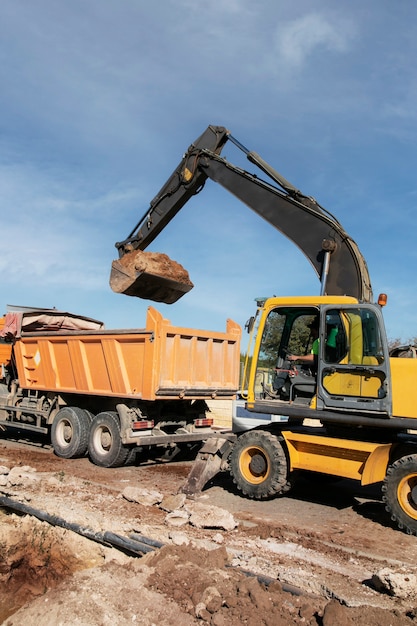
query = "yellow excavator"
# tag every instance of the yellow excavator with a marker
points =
(351, 406)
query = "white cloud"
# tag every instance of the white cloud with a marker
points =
(52, 232)
(100, 100)
(297, 40)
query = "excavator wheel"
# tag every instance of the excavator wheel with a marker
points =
(258, 465)
(399, 493)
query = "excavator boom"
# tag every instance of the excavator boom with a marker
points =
(334, 256)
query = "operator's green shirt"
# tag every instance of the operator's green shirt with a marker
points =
(331, 342)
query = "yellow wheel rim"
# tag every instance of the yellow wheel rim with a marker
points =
(407, 495)
(254, 465)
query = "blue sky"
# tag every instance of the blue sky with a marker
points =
(99, 100)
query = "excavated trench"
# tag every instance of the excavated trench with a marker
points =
(35, 556)
(58, 576)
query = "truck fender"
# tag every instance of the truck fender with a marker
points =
(125, 422)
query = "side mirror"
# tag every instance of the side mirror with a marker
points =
(249, 324)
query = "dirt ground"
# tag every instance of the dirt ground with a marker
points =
(309, 558)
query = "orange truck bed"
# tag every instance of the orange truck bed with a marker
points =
(160, 361)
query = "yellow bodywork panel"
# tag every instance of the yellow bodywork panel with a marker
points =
(342, 384)
(404, 387)
(352, 384)
(363, 461)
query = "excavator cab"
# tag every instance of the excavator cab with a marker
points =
(352, 372)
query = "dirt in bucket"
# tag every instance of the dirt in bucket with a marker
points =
(151, 276)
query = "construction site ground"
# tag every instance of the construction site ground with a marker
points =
(310, 557)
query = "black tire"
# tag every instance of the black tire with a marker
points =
(105, 446)
(258, 465)
(70, 431)
(399, 493)
(131, 456)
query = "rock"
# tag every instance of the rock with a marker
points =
(205, 516)
(212, 599)
(22, 475)
(201, 612)
(179, 539)
(149, 275)
(210, 602)
(4, 470)
(335, 613)
(172, 503)
(147, 497)
(177, 518)
(205, 544)
(400, 584)
(307, 611)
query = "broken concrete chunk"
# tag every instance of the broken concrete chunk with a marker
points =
(204, 516)
(146, 497)
(178, 538)
(21, 475)
(177, 518)
(396, 583)
(172, 502)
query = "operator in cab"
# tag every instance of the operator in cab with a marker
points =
(311, 358)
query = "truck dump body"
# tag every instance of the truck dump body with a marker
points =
(160, 361)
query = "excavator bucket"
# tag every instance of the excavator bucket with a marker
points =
(151, 276)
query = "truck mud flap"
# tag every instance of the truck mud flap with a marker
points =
(209, 461)
(151, 276)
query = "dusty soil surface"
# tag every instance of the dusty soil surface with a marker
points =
(308, 558)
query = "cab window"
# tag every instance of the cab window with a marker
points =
(286, 331)
(353, 337)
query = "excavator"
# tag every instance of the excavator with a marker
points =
(315, 231)
(351, 406)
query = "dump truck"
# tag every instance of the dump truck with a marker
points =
(351, 406)
(112, 393)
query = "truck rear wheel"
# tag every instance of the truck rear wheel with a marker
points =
(399, 493)
(105, 446)
(70, 431)
(258, 465)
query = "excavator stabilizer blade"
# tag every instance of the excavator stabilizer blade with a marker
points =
(151, 276)
(209, 462)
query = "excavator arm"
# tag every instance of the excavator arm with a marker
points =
(334, 256)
